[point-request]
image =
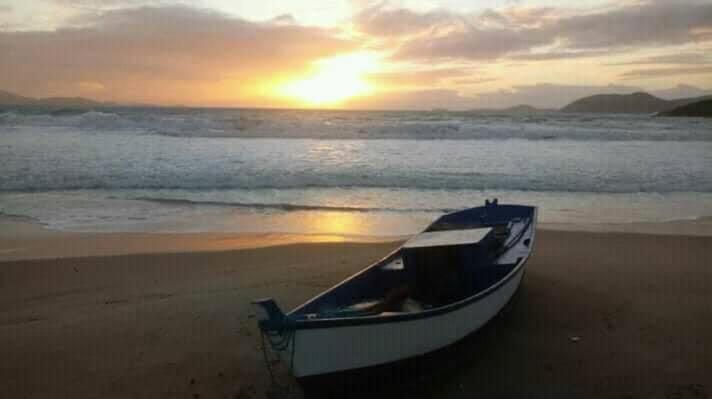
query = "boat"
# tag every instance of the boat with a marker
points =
(438, 287)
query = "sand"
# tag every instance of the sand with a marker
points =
(612, 315)
(22, 238)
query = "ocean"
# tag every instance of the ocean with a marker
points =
(343, 172)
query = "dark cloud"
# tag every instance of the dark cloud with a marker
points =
(93, 4)
(559, 55)
(424, 77)
(383, 20)
(671, 59)
(473, 44)
(131, 50)
(284, 19)
(519, 17)
(473, 81)
(682, 91)
(379, 20)
(637, 24)
(666, 72)
(517, 31)
(445, 34)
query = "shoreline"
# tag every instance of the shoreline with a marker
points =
(698, 227)
(22, 238)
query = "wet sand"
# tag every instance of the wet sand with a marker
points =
(22, 238)
(612, 315)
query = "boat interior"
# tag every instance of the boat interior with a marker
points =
(458, 256)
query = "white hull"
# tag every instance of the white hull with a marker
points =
(327, 350)
(334, 348)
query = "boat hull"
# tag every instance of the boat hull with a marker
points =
(314, 346)
(318, 351)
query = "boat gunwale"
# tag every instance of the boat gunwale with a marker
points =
(304, 324)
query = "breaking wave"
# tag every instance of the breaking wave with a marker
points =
(287, 206)
(368, 125)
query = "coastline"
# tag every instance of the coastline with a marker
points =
(22, 238)
(698, 227)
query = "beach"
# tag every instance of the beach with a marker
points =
(599, 314)
(398, 199)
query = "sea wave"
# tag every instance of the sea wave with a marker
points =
(235, 123)
(286, 206)
(590, 185)
(56, 160)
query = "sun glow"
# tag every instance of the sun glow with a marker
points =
(336, 79)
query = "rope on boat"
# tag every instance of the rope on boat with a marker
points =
(279, 341)
(268, 364)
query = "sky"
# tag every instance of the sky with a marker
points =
(384, 54)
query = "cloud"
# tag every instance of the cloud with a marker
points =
(152, 51)
(677, 59)
(682, 91)
(473, 81)
(419, 78)
(384, 20)
(136, 52)
(5, 8)
(284, 19)
(666, 72)
(558, 55)
(647, 23)
(380, 20)
(540, 32)
(445, 34)
(91, 86)
(474, 44)
(102, 4)
(521, 16)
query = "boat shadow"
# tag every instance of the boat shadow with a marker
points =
(422, 376)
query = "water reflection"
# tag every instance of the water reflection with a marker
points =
(345, 153)
(337, 223)
(343, 224)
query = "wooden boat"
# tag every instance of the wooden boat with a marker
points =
(438, 287)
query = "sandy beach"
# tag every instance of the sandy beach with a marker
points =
(615, 315)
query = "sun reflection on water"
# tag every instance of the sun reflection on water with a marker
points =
(345, 223)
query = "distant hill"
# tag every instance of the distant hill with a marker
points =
(7, 98)
(78, 102)
(12, 99)
(517, 109)
(523, 109)
(697, 109)
(636, 103)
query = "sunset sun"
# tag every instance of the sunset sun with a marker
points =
(335, 79)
